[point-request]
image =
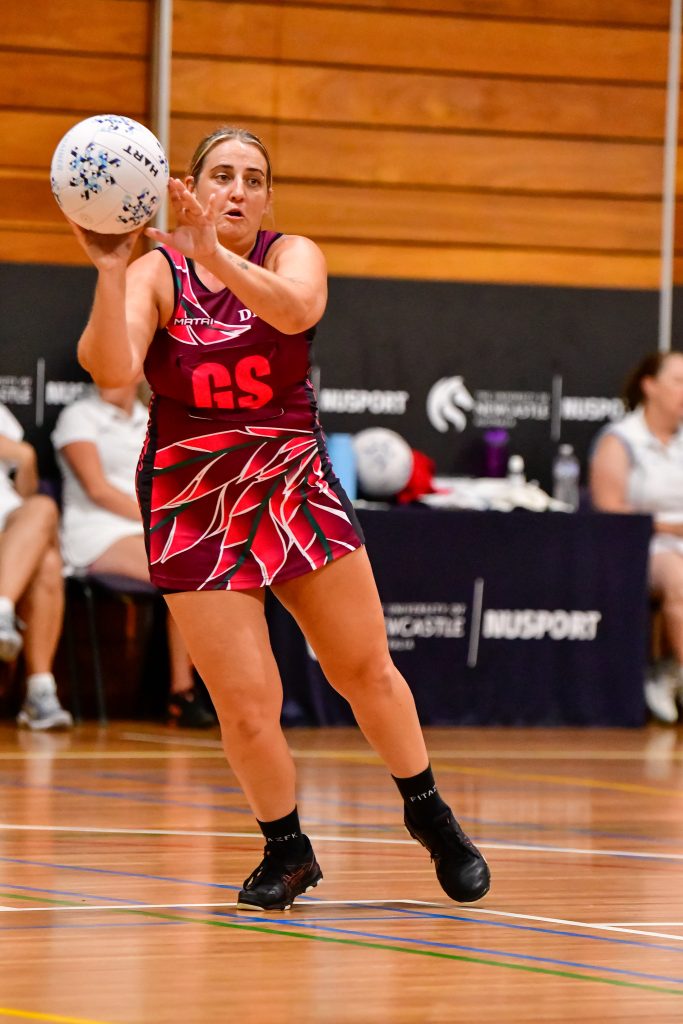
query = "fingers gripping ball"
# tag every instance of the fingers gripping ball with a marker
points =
(384, 462)
(109, 174)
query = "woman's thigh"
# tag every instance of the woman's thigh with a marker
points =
(340, 613)
(227, 638)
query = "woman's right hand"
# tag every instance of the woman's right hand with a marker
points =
(106, 252)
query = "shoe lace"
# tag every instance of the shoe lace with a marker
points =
(451, 837)
(263, 871)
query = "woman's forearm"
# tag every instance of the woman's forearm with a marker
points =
(104, 348)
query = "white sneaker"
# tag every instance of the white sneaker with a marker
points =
(43, 711)
(10, 637)
(660, 697)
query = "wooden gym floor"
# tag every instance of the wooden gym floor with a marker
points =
(121, 851)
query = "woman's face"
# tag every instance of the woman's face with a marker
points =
(236, 173)
(665, 391)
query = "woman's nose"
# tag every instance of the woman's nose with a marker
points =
(237, 186)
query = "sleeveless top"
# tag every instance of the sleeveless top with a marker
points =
(655, 481)
(234, 483)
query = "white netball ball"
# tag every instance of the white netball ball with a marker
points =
(109, 174)
(384, 462)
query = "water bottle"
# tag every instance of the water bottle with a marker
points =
(516, 477)
(495, 452)
(566, 471)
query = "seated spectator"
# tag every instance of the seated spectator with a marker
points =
(98, 440)
(637, 466)
(30, 577)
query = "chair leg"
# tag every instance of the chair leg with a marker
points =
(74, 682)
(96, 660)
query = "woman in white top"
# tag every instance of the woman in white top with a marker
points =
(30, 577)
(637, 466)
(98, 440)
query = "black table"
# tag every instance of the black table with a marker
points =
(515, 618)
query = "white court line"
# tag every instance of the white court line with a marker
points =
(319, 903)
(641, 924)
(369, 840)
(112, 906)
(174, 741)
(589, 925)
(185, 906)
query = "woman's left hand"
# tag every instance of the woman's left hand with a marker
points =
(195, 233)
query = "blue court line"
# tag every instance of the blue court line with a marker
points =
(432, 944)
(150, 799)
(422, 943)
(422, 915)
(72, 894)
(139, 798)
(525, 826)
(316, 900)
(119, 874)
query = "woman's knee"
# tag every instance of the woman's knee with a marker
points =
(246, 712)
(48, 575)
(43, 509)
(373, 677)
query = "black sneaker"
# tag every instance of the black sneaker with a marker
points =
(461, 870)
(276, 883)
(188, 711)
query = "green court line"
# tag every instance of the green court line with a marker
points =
(435, 954)
(39, 899)
(411, 952)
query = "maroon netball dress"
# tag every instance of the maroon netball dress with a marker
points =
(234, 482)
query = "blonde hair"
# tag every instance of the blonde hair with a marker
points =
(221, 135)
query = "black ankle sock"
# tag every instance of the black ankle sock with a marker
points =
(420, 796)
(284, 836)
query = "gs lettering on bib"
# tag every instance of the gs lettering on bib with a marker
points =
(214, 387)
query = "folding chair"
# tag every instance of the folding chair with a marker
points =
(89, 586)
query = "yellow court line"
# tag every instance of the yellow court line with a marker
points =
(54, 1019)
(561, 780)
(496, 773)
(97, 755)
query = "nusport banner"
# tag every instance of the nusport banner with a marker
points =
(498, 619)
(438, 362)
(441, 363)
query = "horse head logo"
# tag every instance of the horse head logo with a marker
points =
(447, 402)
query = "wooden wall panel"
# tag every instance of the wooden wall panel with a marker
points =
(82, 85)
(106, 26)
(502, 140)
(442, 103)
(592, 12)
(410, 41)
(386, 157)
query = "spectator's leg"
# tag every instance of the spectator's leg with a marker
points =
(666, 580)
(42, 609)
(28, 533)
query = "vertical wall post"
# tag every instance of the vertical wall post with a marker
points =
(669, 179)
(160, 84)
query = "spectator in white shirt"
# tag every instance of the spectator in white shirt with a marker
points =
(98, 439)
(30, 577)
(637, 466)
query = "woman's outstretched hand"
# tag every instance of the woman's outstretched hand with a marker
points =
(195, 232)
